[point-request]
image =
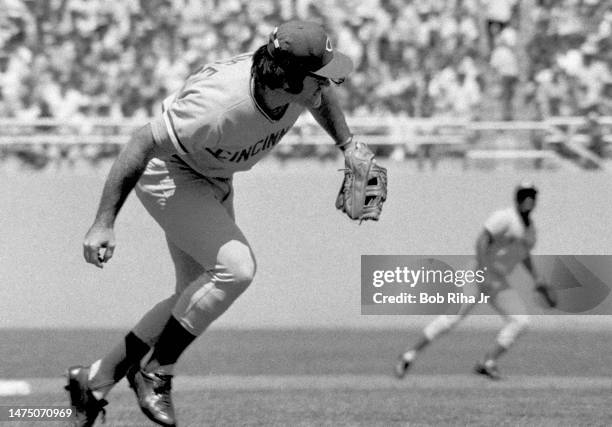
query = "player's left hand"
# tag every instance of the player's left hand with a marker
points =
(364, 188)
(547, 293)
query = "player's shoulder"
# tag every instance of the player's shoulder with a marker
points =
(500, 217)
(221, 84)
(224, 71)
(242, 60)
(500, 213)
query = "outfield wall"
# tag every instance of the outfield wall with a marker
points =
(308, 254)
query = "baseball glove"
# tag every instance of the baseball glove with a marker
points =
(547, 293)
(364, 188)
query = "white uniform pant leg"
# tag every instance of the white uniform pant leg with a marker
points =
(213, 261)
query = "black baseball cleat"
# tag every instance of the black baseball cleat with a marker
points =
(490, 371)
(153, 392)
(401, 367)
(86, 406)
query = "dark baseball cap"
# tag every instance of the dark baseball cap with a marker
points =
(308, 46)
(526, 189)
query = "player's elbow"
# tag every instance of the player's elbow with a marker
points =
(142, 141)
(486, 238)
(483, 241)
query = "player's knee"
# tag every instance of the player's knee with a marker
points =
(451, 321)
(236, 264)
(521, 320)
(515, 327)
(239, 274)
(243, 271)
(440, 325)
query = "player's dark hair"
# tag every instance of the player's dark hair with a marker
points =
(275, 73)
(522, 195)
(525, 192)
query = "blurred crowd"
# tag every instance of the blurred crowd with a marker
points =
(473, 59)
(65, 58)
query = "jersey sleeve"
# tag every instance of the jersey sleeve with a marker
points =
(497, 223)
(189, 120)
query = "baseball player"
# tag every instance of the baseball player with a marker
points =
(506, 240)
(226, 117)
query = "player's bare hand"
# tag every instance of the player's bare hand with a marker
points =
(98, 245)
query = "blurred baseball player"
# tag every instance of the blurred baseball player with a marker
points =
(227, 117)
(506, 240)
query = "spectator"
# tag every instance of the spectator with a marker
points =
(465, 98)
(591, 75)
(93, 47)
(551, 93)
(498, 14)
(606, 102)
(505, 65)
(595, 133)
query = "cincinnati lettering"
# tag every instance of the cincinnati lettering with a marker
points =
(243, 155)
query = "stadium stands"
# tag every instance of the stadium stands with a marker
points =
(110, 61)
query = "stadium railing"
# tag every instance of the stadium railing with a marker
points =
(472, 140)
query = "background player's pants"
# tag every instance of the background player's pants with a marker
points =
(505, 300)
(213, 261)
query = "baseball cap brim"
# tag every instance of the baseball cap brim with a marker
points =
(338, 68)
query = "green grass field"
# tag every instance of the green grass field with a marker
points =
(340, 378)
(337, 370)
(308, 254)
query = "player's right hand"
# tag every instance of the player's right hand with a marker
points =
(98, 245)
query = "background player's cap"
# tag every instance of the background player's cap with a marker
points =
(526, 189)
(307, 44)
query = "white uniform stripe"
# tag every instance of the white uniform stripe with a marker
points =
(173, 136)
